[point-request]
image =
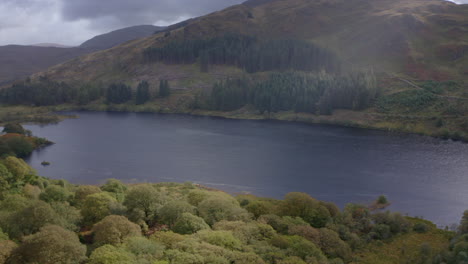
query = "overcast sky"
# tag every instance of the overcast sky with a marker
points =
(71, 22)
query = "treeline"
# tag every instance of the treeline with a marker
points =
(246, 52)
(41, 221)
(19, 142)
(46, 92)
(312, 93)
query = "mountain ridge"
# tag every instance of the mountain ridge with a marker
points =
(24, 60)
(416, 38)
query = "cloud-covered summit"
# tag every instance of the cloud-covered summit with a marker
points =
(74, 21)
(71, 22)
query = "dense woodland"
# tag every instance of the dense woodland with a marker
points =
(52, 222)
(19, 142)
(247, 53)
(301, 92)
(46, 92)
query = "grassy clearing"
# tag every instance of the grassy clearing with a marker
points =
(405, 248)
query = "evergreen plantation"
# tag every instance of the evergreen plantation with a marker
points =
(247, 53)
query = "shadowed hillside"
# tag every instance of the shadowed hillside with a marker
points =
(117, 37)
(387, 64)
(20, 61)
(422, 39)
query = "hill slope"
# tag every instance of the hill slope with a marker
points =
(426, 39)
(119, 36)
(417, 50)
(21, 61)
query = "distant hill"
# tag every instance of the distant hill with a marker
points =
(20, 61)
(117, 37)
(388, 64)
(53, 45)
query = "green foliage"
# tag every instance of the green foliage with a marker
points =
(30, 219)
(173, 210)
(258, 208)
(51, 245)
(247, 53)
(109, 254)
(144, 249)
(305, 207)
(396, 222)
(188, 224)
(7, 248)
(306, 231)
(118, 93)
(116, 188)
(96, 207)
(299, 229)
(221, 207)
(18, 146)
(143, 201)
(55, 193)
(249, 232)
(114, 229)
(20, 171)
(142, 93)
(407, 101)
(220, 238)
(311, 93)
(164, 88)
(15, 128)
(463, 228)
(421, 228)
(43, 92)
(382, 200)
(84, 191)
(439, 87)
(332, 245)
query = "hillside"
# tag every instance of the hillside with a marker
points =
(53, 221)
(119, 36)
(422, 39)
(20, 61)
(393, 65)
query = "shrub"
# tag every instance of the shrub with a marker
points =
(51, 245)
(55, 193)
(114, 230)
(145, 199)
(220, 238)
(84, 191)
(303, 206)
(189, 224)
(96, 207)
(109, 254)
(421, 228)
(220, 207)
(171, 211)
(116, 188)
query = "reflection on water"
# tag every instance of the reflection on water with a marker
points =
(421, 176)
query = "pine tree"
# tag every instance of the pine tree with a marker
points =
(142, 93)
(164, 88)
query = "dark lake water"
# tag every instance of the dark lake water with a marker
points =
(421, 176)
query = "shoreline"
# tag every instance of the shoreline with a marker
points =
(403, 125)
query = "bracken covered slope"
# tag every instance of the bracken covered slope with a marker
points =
(424, 39)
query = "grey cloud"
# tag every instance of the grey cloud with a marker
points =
(131, 12)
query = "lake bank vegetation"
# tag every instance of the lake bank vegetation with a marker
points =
(19, 142)
(53, 221)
